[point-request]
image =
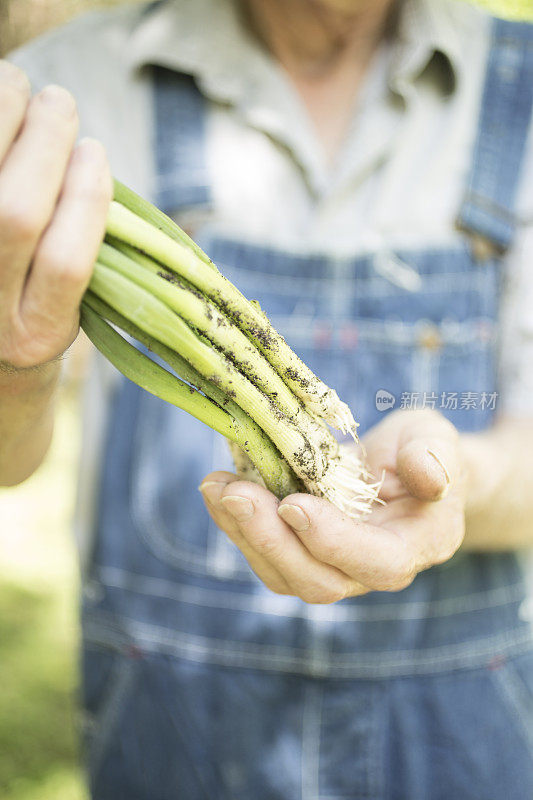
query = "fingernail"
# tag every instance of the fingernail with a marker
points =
(58, 99)
(443, 468)
(239, 507)
(90, 150)
(11, 74)
(211, 491)
(295, 517)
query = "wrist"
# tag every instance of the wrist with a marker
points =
(18, 382)
(26, 419)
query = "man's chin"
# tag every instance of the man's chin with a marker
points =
(349, 6)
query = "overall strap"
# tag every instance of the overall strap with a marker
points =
(181, 179)
(489, 205)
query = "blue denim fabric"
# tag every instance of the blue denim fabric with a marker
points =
(489, 200)
(199, 682)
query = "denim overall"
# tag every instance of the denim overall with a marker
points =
(201, 683)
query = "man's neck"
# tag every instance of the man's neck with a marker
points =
(325, 46)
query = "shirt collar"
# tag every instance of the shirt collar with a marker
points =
(206, 38)
(428, 28)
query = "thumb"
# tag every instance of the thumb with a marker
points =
(427, 460)
(426, 465)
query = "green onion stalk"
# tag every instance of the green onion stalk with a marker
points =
(224, 362)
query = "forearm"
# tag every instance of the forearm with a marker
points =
(54, 200)
(26, 420)
(499, 505)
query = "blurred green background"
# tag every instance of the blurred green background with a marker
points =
(38, 627)
(39, 753)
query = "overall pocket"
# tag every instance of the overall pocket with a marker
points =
(173, 452)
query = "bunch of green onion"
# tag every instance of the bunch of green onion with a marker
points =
(225, 364)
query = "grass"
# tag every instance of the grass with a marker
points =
(38, 747)
(39, 753)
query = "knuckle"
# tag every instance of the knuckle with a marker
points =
(53, 130)
(322, 594)
(442, 556)
(357, 590)
(95, 189)
(402, 582)
(449, 549)
(310, 596)
(95, 193)
(452, 537)
(13, 98)
(66, 267)
(18, 220)
(395, 577)
(279, 588)
(265, 544)
(13, 77)
(11, 323)
(90, 172)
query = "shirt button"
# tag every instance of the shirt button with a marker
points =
(483, 249)
(429, 338)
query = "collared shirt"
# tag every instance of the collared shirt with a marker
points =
(396, 183)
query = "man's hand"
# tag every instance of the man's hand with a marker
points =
(305, 546)
(53, 205)
(54, 199)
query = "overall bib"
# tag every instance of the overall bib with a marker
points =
(201, 683)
